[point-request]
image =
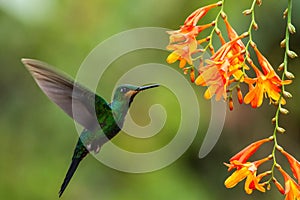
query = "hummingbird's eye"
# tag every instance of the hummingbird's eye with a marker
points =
(123, 90)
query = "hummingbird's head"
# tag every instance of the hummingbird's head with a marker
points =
(126, 93)
(123, 97)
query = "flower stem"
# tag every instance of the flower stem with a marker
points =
(287, 38)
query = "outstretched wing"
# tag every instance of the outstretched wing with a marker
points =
(77, 101)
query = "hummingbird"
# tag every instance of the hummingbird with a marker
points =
(101, 120)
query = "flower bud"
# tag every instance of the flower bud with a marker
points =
(291, 28)
(283, 43)
(281, 66)
(273, 120)
(280, 129)
(192, 75)
(289, 75)
(247, 12)
(291, 54)
(185, 70)
(230, 103)
(285, 13)
(240, 95)
(255, 26)
(259, 2)
(219, 3)
(284, 111)
(286, 94)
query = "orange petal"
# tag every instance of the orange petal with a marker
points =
(193, 19)
(236, 177)
(249, 180)
(211, 90)
(278, 185)
(294, 164)
(173, 57)
(260, 94)
(263, 62)
(248, 151)
(200, 81)
(182, 63)
(250, 96)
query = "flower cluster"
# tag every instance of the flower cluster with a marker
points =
(248, 170)
(230, 66)
(226, 68)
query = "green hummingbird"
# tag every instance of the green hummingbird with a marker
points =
(101, 120)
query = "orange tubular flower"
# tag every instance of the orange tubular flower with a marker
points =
(295, 164)
(247, 170)
(292, 189)
(183, 46)
(183, 42)
(269, 84)
(248, 151)
(237, 49)
(193, 19)
(221, 66)
(252, 183)
(278, 185)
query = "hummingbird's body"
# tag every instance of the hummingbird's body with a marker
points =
(101, 121)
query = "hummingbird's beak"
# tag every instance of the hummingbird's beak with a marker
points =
(145, 87)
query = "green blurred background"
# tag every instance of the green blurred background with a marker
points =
(37, 138)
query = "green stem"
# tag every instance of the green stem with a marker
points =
(210, 43)
(287, 39)
(250, 32)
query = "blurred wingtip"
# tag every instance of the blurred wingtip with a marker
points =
(29, 61)
(26, 61)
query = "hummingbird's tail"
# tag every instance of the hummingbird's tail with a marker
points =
(79, 154)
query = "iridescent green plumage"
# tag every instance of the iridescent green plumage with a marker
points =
(101, 121)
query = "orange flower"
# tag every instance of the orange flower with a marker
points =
(292, 191)
(246, 170)
(183, 42)
(237, 48)
(269, 84)
(248, 151)
(221, 66)
(295, 164)
(252, 182)
(263, 62)
(193, 19)
(183, 46)
(278, 185)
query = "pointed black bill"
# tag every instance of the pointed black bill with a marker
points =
(145, 87)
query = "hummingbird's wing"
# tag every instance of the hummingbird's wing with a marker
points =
(67, 94)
